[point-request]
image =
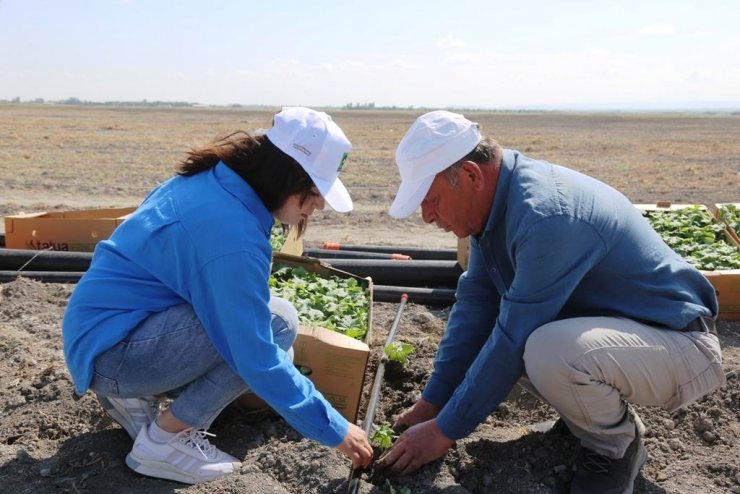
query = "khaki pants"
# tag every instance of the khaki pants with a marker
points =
(587, 368)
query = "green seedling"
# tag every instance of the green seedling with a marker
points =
(400, 490)
(383, 435)
(339, 304)
(277, 236)
(399, 352)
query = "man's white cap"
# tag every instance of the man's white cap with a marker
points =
(319, 146)
(433, 143)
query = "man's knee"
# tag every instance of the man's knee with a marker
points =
(542, 351)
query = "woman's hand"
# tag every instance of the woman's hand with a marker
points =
(356, 446)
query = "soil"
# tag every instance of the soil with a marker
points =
(51, 442)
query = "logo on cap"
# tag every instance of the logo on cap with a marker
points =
(341, 163)
(302, 149)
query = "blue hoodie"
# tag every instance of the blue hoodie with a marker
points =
(201, 240)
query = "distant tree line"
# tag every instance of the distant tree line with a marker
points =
(80, 102)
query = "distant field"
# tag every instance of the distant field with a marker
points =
(72, 157)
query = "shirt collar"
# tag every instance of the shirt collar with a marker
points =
(501, 196)
(239, 188)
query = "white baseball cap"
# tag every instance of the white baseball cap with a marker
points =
(319, 146)
(433, 143)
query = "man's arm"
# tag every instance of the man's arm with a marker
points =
(552, 257)
(468, 327)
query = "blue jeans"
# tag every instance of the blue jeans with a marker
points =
(170, 353)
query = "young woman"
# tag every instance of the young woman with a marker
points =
(176, 302)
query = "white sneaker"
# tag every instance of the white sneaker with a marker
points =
(188, 457)
(131, 413)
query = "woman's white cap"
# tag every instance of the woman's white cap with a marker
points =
(433, 143)
(319, 146)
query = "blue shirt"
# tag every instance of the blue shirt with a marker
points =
(201, 240)
(557, 244)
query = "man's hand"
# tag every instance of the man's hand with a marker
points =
(356, 446)
(419, 412)
(419, 445)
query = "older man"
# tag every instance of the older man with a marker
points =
(568, 288)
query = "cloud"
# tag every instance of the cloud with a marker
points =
(658, 29)
(450, 43)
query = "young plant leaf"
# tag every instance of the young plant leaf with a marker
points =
(399, 352)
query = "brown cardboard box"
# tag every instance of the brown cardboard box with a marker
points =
(293, 244)
(726, 283)
(63, 230)
(463, 252)
(334, 362)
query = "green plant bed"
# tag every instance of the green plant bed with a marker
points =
(339, 304)
(694, 235)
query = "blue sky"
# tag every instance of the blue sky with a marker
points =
(489, 54)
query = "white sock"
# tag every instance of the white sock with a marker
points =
(159, 435)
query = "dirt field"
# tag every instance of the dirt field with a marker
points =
(60, 158)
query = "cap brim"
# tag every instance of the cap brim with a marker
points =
(409, 197)
(335, 194)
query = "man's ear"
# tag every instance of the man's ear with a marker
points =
(471, 172)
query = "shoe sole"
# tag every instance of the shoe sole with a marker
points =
(162, 470)
(118, 416)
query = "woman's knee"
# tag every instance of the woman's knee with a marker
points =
(284, 322)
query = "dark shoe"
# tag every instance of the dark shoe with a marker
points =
(559, 428)
(600, 474)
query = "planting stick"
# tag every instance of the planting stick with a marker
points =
(354, 475)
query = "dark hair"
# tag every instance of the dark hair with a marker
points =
(272, 174)
(487, 151)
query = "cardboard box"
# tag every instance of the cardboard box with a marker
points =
(463, 252)
(293, 244)
(726, 283)
(334, 362)
(63, 230)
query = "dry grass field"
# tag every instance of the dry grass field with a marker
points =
(75, 157)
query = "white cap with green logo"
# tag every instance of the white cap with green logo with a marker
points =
(319, 146)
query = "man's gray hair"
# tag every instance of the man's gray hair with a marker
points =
(487, 151)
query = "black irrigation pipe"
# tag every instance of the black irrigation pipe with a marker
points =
(403, 273)
(353, 254)
(433, 297)
(354, 475)
(382, 271)
(2, 240)
(417, 253)
(44, 260)
(45, 276)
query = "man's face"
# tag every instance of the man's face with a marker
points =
(450, 207)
